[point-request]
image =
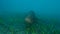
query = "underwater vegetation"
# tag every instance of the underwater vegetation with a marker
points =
(38, 26)
(1, 20)
(32, 25)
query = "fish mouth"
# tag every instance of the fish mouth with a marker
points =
(28, 20)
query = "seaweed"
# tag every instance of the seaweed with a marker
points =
(1, 20)
(37, 25)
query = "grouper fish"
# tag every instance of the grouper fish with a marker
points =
(30, 21)
(30, 18)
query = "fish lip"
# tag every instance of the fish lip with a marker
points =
(28, 20)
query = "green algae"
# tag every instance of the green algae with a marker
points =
(1, 20)
(38, 27)
(44, 28)
(14, 19)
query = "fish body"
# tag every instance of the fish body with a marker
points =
(30, 17)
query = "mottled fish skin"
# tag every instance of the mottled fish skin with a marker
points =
(30, 18)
